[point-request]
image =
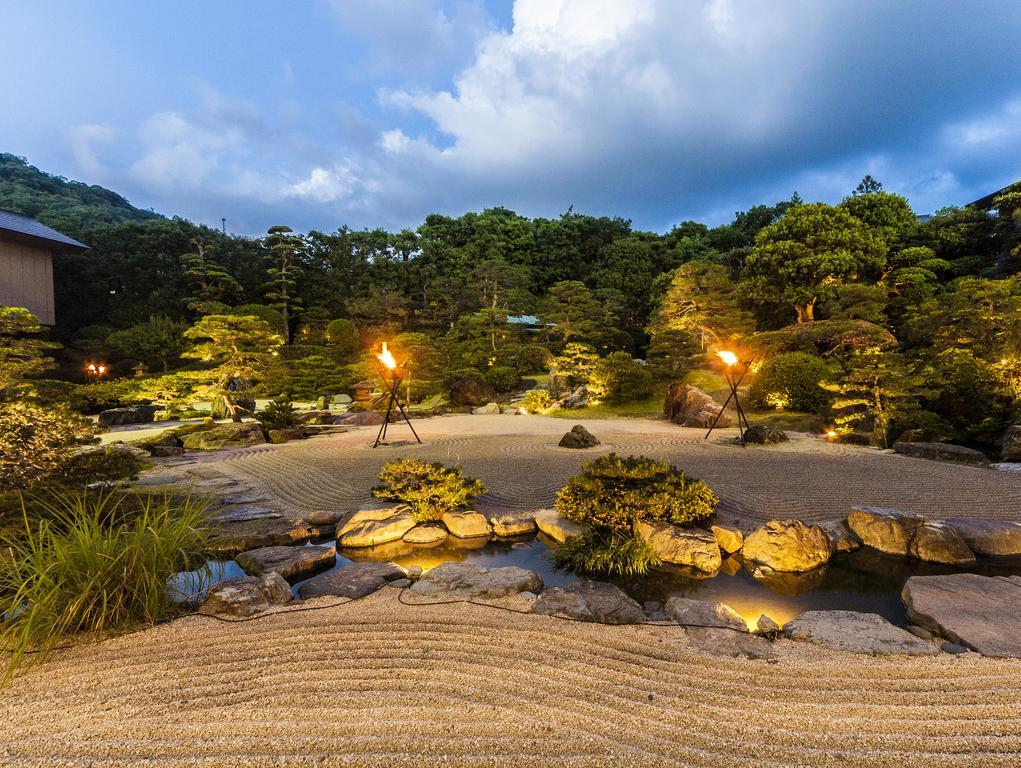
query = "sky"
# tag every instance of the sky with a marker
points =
(375, 113)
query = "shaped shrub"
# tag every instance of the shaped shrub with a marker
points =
(537, 401)
(429, 488)
(791, 381)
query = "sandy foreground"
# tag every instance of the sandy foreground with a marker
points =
(378, 683)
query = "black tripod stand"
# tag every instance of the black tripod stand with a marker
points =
(733, 381)
(393, 385)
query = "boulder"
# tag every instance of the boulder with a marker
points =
(247, 596)
(728, 643)
(730, 538)
(361, 419)
(324, 518)
(471, 390)
(556, 526)
(587, 600)
(513, 524)
(293, 563)
(700, 613)
(265, 530)
(577, 398)
(855, 632)
(691, 407)
(885, 529)
(466, 525)
(980, 612)
(764, 435)
(691, 547)
(352, 581)
(490, 409)
(766, 626)
(578, 437)
(840, 536)
(936, 542)
(370, 527)
(1012, 444)
(165, 451)
(135, 414)
(996, 538)
(318, 416)
(285, 435)
(425, 534)
(787, 546)
(230, 435)
(469, 581)
(941, 452)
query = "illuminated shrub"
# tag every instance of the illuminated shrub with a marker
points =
(791, 380)
(429, 488)
(537, 401)
(502, 378)
(533, 358)
(36, 442)
(620, 378)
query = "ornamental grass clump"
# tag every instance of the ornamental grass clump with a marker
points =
(429, 488)
(613, 494)
(88, 563)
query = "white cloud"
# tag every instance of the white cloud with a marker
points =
(85, 141)
(324, 185)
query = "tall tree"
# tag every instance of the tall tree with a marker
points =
(283, 271)
(212, 287)
(22, 352)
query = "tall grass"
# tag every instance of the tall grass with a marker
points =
(87, 563)
(603, 552)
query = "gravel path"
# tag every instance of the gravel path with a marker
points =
(518, 458)
(376, 683)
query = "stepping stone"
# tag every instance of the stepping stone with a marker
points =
(426, 534)
(989, 537)
(594, 601)
(470, 581)
(980, 612)
(466, 525)
(245, 513)
(513, 524)
(353, 581)
(702, 613)
(293, 563)
(556, 526)
(371, 527)
(689, 547)
(246, 596)
(942, 452)
(244, 535)
(855, 632)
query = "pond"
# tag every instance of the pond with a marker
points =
(865, 581)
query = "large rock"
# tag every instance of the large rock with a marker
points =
(470, 581)
(293, 563)
(135, 414)
(700, 613)
(353, 581)
(690, 547)
(590, 601)
(247, 596)
(996, 538)
(471, 390)
(885, 529)
(371, 527)
(318, 416)
(578, 398)
(1012, 444)
(936, 542)
(513, 524)
(788, 546)
(728, 643)
(762, 434)
(245, 528)
(578, 437)
(424, 535)
(856, 632)
(729, 537)
(980, 612)
(230, 435)
(941, 452)
(556, 526)
(466, 525)
(840, 536)
(286, 435)
(691, 407)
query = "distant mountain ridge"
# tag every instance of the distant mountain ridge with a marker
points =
(71, 207)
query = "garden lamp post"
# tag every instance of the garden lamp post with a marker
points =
(95, 371)
(734, 378)
(391, 374)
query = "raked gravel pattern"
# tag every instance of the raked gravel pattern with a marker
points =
(377, 683)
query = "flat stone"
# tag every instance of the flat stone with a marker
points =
(788, 546)
(885, 529)
(941, 452)
(488, 408)
(701, 613)
(936, 542)
(245, 513)
(324, 518)
(855, 632)
(729, 644)
(466, 525)
(556, 526)
(588, 600)
(246, 596)
(690, 547)
(245, 535)
(578, 437)
(981, 612)
(231, 435)
(292, 563)
(352, 581)
(995, 538)
(426, 534)
(513, 524)
(166, 451)
(371, 527)
(468, 581)
(730, 538)
(842, 539)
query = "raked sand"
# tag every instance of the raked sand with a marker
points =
(377, 683)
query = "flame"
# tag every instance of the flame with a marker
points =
(386, 358)
(728, 357)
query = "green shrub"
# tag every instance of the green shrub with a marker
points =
(574, 365)
(342, 341)
(278, 414)
(620, 378)
(791, 381)
(88, 563)
(109, 464)
(430, 489)
(605, 552)
(101, 395)
(533, 358)
(36, 442)
(537, 400)
(503, 378)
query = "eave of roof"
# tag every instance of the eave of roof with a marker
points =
(23, 229)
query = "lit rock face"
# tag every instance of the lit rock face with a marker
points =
(936, 542)
(729, 537)
(994, 538)
(908, 535)
(521, 524)
(466, 525)
(250, 527)
(594, 601)
(426, 534)
(292, 563)
(556, 526)
(469, 581)
(787, 545)
(247, 596)
(354, 581)
(702, 613)
(691, 407)
(691, 547)
(980, 612)
(855, 632)
(840, 536)
(369, 527)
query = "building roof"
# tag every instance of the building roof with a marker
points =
(989, 201)
(30, 231)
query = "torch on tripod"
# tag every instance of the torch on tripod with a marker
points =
(730, 373)
(392, 375)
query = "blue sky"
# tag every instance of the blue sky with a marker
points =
(319, 113)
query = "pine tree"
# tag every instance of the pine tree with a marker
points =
(284, 269)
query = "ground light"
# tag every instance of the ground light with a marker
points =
(392, 373)
(730, 373)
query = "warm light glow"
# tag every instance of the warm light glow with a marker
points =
(728, 357)
(387, 358)
(831, 434)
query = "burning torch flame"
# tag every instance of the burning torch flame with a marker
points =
(386, 358)
(728, 357)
